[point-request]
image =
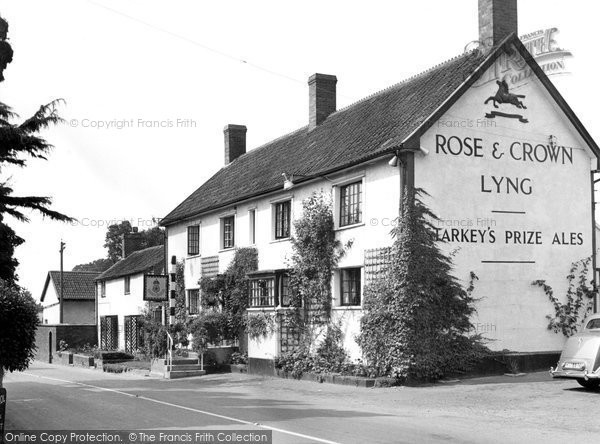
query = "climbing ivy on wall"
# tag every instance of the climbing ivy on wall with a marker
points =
(315, 254)
(579, 299)
(417, 316)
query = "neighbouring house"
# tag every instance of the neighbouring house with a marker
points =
(507, 165)
(79, 298)
(125, 291)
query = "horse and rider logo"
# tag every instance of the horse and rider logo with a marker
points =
(503, 96)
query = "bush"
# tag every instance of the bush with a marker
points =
(155, 337)
(209, 327)
(238, 358)
(18, 324)
(417, 317)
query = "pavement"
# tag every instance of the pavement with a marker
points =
(530, 408)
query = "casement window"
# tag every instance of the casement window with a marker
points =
(262, 292)
(194, 301)
(350, 291)
(193, 240)
(270, 290)
(228, 232)
(252, 226)
(127, 284)
(351, 204)
(103, 289)
(282, 219)
(157, 314)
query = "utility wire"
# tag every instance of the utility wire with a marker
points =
(196, 43)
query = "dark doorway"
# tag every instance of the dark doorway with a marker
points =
(50, 347)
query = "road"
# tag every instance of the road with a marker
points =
(532, 408)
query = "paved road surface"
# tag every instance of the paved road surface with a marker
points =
(507, 410)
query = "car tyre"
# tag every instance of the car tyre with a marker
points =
(591, 384)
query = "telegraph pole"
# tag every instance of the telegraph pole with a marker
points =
(62, 248)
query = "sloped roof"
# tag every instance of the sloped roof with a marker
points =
(147, 260)
(355, 134)
(77, 285)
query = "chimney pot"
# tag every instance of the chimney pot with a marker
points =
(321, 98)
(235, 142)
(497, 20)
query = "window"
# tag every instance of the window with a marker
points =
(282, 220)
(193, 233)
(350, 286)
(284, 290)
(103, 289)
(262, 292)
(351, 204)
(270, 290)
(127, 282)
(194, 301)
(157, 314)
(227, 232)
(593, 324)
(252, 223)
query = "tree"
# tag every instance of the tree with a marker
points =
(98, 265)
(16, 142)
(417, 317)
(18, 323)
(114, 238)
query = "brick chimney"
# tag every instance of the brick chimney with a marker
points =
(321, 98)
(131, 242)
(235, 142)
(497, 20)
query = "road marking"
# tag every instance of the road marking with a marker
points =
(203, 412)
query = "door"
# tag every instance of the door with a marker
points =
(134, 339)
(50, 347)
(109, 333)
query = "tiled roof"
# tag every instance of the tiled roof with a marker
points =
(347, 137)
(147, 260)
(357, 133)
(76, 284)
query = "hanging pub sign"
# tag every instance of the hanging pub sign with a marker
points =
(2, 412)
(155, 287)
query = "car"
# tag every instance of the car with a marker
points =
(580, 357)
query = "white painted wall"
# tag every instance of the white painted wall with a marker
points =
(118, 303)
(380, 207)
(510, 312)
(51, 306)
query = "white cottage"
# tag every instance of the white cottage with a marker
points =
(122, 298)
(506, 162)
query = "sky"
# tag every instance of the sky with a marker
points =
(149, 86)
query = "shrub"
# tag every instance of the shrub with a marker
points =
(209, 327)
(417, 317)
(238, 358)
(18, 324)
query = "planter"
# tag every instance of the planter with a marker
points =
(83, 361)
(66, 358)
(238, 368)
(355, 381)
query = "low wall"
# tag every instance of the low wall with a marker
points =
(257, 366)
(48, 337)
(222, 354)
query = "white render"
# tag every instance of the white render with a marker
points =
(381, 200)
(116, 302)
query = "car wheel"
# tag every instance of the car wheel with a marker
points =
(591, 384)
